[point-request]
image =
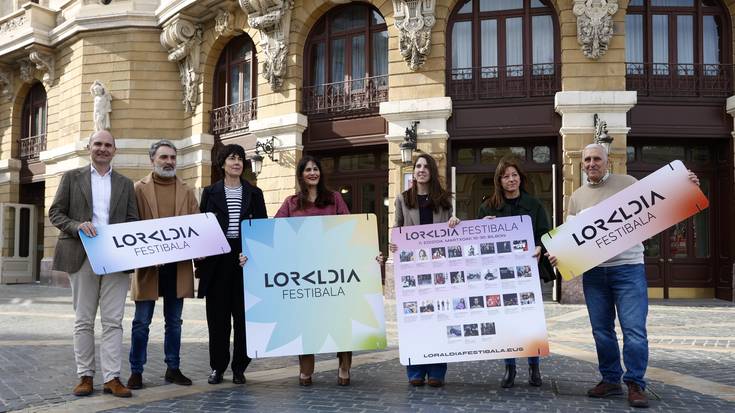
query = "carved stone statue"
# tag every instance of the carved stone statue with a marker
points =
(183, 39)
(594, 25)
(414, 20)
(272, 18)
(102, 106)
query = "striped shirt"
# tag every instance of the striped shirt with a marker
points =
(234, 204)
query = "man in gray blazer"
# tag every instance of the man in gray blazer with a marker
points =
(89, 197)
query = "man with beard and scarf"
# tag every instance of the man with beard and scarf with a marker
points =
(161, 194)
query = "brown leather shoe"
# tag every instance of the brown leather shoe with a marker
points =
(135, 381)
(85, 386)
(343, 381)
(416, 382)
(435, 382)
(116, 388)
(636, 396)
(604, 389)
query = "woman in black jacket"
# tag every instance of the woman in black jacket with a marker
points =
(232, 200)
(510, 198)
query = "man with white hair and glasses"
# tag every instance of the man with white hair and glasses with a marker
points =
(617, 285)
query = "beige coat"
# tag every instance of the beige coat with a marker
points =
(406, 217)
(145, 281)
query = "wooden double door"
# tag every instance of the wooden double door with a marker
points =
(695, 253)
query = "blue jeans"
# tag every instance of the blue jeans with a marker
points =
(172, 308)
(531, 361)
(420, 371)
(622, 288)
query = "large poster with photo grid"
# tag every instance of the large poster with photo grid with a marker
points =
(471, 292)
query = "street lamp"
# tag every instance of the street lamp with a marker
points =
(409, 143)
(268, 147)
(601, 135)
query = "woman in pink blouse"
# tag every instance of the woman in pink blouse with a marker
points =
(313, 199)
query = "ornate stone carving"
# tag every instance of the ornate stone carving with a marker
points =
(6, 85)
(224, 23)
(272, 18)
(12, 24)
(183, 39)
(27, 71)
(102, 106)
(45, 63)
(594, 25)
(414, 20)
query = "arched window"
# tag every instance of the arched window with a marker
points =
(502, 48)
(235, 84)
(346, 61)
(677, 47)
(33, 126)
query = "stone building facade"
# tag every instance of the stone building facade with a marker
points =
(344, 80)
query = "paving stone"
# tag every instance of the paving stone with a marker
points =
(39, 370)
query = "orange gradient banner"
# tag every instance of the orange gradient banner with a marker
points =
(640, 211)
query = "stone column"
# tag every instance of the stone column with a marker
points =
(277, 179)
(577, 110)
(432, 113)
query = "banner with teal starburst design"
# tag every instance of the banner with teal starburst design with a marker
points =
(312, 285)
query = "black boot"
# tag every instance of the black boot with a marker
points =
(534, 375)
(509, 377)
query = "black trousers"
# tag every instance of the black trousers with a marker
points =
(225, 311)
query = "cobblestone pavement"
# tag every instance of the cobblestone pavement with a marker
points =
(691, 367)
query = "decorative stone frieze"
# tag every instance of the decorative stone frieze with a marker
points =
(6, 85)
(183, 40)
(414, 20)
(12, 24)
(45, 64)
(272, 18)
(594, 25)
(224, 23)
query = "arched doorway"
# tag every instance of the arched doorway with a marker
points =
(678, 60)
(234, 98)
(32, 183)
(346, 78)
(502, 73)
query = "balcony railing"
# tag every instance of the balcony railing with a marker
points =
(233, 117)
(32, 146)
(346, 97)
(491, 82)
(679, 80)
